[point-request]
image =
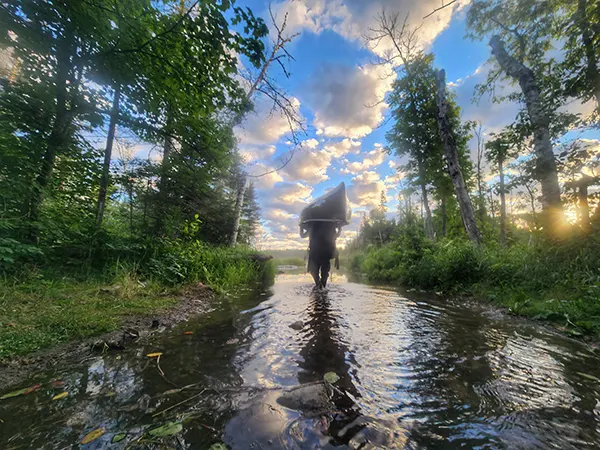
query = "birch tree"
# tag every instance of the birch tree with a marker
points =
(447, 132)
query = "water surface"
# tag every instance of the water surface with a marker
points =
(415, 371)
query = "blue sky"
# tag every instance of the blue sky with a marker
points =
(336, 85)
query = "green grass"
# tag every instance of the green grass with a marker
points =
(289, 262)
(559, 283)
(43, 313)
(48, 306)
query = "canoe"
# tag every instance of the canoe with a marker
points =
(330, 207)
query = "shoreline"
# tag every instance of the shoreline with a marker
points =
(192, 301)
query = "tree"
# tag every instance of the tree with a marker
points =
(264, 85)
(383, 203)
(519, 46)
(580, 24)
(447, 118)
(499, 149)
(413, 132)
(524, 178)
(579, 164)
(479, 134)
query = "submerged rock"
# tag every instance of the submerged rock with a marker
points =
(297, 325)
(307, 397)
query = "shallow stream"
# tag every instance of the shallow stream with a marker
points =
(411, 371)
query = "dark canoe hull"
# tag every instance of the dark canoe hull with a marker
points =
(331, 207)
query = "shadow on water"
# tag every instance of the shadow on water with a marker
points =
(415, 371)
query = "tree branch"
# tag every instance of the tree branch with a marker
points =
(440, 8)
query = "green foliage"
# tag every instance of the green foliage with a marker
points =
(294, 261)
(47, 306)
(559, 283)
(175, 65)
(177, 262)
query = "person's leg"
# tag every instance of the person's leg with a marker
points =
(313, 268)
(325, 268)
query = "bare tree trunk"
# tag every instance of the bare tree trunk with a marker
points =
(447, 134)
(480, 155)
(168, 147)
(56, 140)
(112, 126)
(239, 203)
(444, 216)
(428, 222)
(546, 165)
(502, 203)
(583, 207)
(532, 202)
(590, 53)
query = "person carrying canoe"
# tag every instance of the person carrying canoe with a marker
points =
(321, 249)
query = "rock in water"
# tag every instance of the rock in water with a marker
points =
(297, 325)
(308, 397)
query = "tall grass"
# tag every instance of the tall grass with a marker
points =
(557, 282)
(44, 304)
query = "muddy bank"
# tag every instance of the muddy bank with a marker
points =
(192, 301)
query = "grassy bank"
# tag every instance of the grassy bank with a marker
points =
(289, 262)
(558, 283)
(45, 305)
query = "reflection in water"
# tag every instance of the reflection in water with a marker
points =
(415, 371)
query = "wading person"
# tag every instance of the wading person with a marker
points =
(321, 250)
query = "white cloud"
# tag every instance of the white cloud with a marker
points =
(263, 176)
(253, 153)
(308, 165)
(342, 148)
(351, 18)
(372, 159)
(365, 190)
(348, 101)
(310, 143)
(264, 125)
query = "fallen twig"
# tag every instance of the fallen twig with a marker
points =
(180, 403)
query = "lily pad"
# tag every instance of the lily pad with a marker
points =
(331, 377)
(168, 429)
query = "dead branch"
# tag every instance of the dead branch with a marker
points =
(440, 8)
(266, 86)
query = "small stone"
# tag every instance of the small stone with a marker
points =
(297, 325)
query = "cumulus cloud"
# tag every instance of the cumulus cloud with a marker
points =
(265, 125)
(342, 148)
(365, 190)
(280, 219)
(310, 143)
(263, 176)
(309, 166)
(252, 153)
(372, 159)
(350, 18)
(348, 101)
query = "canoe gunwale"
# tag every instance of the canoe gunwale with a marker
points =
(324, 220)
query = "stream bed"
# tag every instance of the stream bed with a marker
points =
(403, 370)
